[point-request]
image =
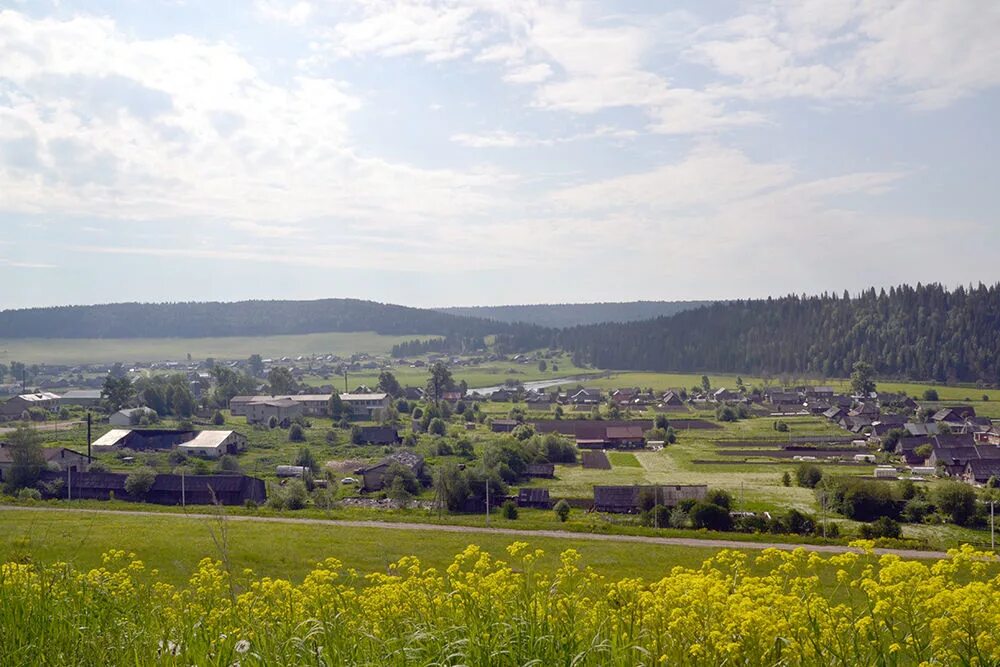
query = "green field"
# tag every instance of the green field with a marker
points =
(107, 350)
(174, 544)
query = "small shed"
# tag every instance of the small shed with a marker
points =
(537, 498)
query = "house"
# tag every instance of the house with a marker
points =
(907, 448)
(538, 401)
(897, 401)
(724, 395)
(366, 406)
(284, 410)
(585, 396)
(18, 405)
(132, 416)
(672, 399)
(819, 392)
(214, 444)
(451, 396)
(626, 499)
(313, 405)
(378, 435)
(413, 393)
(915, 430)
(239, 405)
(373, 477)
(503, 425)
(537, 498)
(625, 437)
(166, 489)
(540, 470)
(623, 396)
(835, 413)
(55, 457)
(84, 398)
(952, 452)
(865, 409)
(782, 398)
(503, 395)
(956, 414)
(979, 471)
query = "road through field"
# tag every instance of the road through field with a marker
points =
(559, 534)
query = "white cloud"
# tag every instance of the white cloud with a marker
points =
(503, 139)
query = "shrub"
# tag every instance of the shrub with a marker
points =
(307, 459)
(28, 493)
(725, 413)
(915, 510)
(296, 433)
(930, 395)
(861, 499)
(786, 479)
(562, 510)
(509, 510)
(437, 427)
(272, 423)
(781, 427)
(719, 497)
(139, 482)
(956, 500)
(229, 464)
(99, 466)
(881, 527)
(218, 419)
(808, 475)
(710, 516)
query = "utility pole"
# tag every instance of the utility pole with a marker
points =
(88, 433)
(183, 494)
(992, 539)
(69, 485)
(656, 501)
(487, 500)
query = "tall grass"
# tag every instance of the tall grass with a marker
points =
(485, 611)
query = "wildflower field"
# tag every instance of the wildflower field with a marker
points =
(768, 609)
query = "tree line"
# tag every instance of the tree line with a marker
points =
(926, 332)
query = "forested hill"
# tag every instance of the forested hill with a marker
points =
(252, 318)
(561, 315)
(922, 332)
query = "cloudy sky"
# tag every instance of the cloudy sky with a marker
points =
(446, 152)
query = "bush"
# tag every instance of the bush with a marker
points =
(781, 427)
(296, 433)
(139, 482)
(437, 427)
(306, 459)
(725, 413)
(229, 464)
(915, 510)
(956, 500)
(272, 423)
(99, 466)
(861, 499)
(218, 419)
(881, 527)
(28, 493)
(509, 510)
(930, 395)
(720, 498)
(296, 495)
(808, 475)
(562, 510)
(786, 479)
(710, 516)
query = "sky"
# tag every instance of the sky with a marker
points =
(478, 152)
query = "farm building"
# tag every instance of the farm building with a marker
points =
(956, 414)
(166, 489)
(131, 416)
(537, 498)
(55, 457)
(290, 471)
(503, 425)
(366, 406)
(540, 470)
(282, 409)
(378, 435)
(672, 399)
(16, 406)
(979, 471)
(626, 499)
(598, 435)
(208, 444)
(373, 477)
(84, 398)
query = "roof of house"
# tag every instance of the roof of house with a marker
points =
(207, 440)
(983, 469)
(83, 393)
(112, 437)
(624, 432)
(363, 397)
(914, 429)
(38, 397)
(50, 453)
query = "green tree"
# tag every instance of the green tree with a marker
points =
(956, 500)
(256, 365)
(509, 510)
(931, 395)
(27, 458)
(437, 427)
(706, 384)
(440, 381)
(296, 433)
(117, 392)
(862, 378)
(336, 406)
(281, 381)
(808, 475)
(307, 459)
(139, 482)
(562, 510)
(218, 418)
(388, 383)
(786, 479)
(182, 402)
(542, 365)
(711, 516)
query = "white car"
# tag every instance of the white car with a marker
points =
(348, 480)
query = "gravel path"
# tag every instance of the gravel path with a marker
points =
(476, 530)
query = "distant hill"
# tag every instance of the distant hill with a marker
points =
(561, 315)
(254, 318)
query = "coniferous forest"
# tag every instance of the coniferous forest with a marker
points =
(923, 332)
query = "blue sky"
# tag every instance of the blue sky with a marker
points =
(454, 152)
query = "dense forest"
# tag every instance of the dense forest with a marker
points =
(254, 318)
(922, 332)
(561, 315)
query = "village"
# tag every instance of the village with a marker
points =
(391, 446)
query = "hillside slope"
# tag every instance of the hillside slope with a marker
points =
(561, 315)
(251, 318)
(922, 332)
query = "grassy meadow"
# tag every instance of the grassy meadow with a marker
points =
(109, 350)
